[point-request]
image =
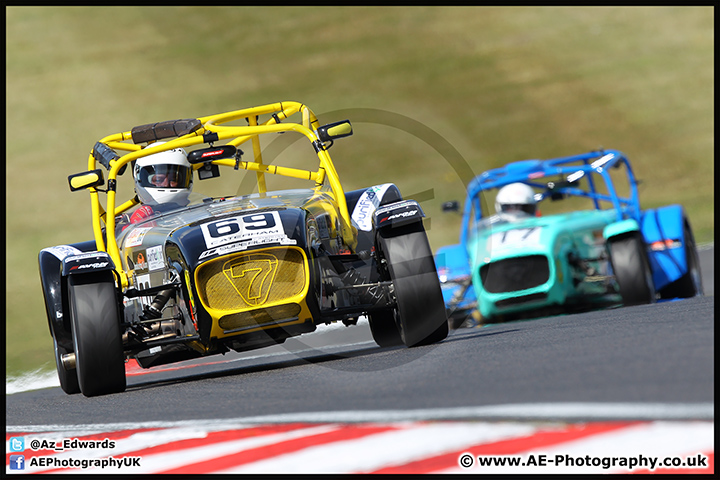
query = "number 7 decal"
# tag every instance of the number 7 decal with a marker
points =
(252, 276)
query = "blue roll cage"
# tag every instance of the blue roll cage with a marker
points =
(574, 167)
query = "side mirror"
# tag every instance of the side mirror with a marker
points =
(81, 181)
(332, 131)
(208, 171)
(204, 155)
(451, 206)
(554, 189)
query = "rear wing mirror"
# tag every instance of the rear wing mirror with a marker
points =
(207, 155)
(81, 181)
(451, 206)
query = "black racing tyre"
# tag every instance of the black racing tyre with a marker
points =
(421, 317)
(690, 284)
(68, 378)
(99, 357)
(384, 328)
(629, 260)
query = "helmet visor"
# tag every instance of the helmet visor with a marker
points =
(165, 176)
(519, 207)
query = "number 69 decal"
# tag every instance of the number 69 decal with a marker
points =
(244, 227)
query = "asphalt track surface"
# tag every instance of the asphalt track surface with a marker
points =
(643, 355)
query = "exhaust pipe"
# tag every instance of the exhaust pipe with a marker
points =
(68, 361)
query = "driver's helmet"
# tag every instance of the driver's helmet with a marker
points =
(516, 198)
(164, 177)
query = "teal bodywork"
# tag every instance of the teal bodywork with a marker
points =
(572, 244)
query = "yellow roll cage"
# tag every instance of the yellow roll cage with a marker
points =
(212, 127)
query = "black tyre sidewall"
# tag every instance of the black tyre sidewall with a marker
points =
(690, 284)
(384, 328)
(421, 310)
(632, 270)
(99, 357)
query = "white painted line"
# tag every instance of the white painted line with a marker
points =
(526, 411)
(705, 246)
(35, 380)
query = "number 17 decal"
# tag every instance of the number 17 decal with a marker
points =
(514, 237)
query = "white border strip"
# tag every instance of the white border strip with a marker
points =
(705, 246)
(522, 411)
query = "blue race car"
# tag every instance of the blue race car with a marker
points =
(600, 250)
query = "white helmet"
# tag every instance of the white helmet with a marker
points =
(516, 197)
(164, 177)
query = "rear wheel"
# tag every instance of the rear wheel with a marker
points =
(690, 284)
(630, 263)
(420, 315)
(99, 357)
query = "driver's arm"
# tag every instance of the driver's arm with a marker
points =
(143, 212)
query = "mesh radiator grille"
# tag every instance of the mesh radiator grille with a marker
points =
(513, 274)
(250, 280)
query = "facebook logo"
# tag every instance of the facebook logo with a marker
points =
(17, 444)
(17, 462)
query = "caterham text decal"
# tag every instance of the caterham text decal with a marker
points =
(252, 229)
(244, 245)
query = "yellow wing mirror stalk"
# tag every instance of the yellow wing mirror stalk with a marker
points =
(81, 181)
(332, 131)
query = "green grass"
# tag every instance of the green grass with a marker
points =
(497, 84)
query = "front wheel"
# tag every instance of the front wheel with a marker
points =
(409, 262)
(629, 260)
(99, 357)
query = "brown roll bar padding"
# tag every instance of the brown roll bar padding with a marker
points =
(170, 128)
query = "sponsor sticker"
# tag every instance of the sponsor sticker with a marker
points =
(367, 203)
(141, 283)
(135, 238)
(140, 262)
(401, 215)
(62, 251)
(155, 258)
(82, 256)
(90, 265)
(661, 245)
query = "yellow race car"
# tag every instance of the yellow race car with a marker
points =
(173, 275)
